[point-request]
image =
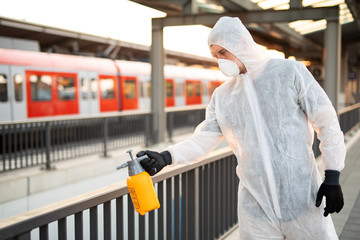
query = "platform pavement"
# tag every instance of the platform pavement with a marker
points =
(347, 222)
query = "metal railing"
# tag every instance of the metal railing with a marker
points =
(32, 143)
(349, 117)
(184, 120)
(42, 142)
(198, 201)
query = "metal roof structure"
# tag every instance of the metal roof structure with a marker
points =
(269, 32)
(274, 35)
(56, 40)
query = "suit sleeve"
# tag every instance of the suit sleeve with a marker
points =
(323, 118)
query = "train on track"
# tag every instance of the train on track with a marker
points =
(37, 84)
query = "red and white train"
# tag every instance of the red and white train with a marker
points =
(37, 84)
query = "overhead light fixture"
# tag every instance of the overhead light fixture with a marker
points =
(328, 3)
(282, 7)
(313, 27)
(272, 3)
(306, 3)
(299, 23)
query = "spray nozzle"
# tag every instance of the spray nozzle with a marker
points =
(133, 164)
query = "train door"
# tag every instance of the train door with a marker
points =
(50, 93)
(17, 90)
(5, 106)
(108, 93)
(129, 93)
(89, 101)
(193, 92)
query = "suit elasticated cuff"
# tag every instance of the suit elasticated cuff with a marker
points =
(332, 177)
(167, 157)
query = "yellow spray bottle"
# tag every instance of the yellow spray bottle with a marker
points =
(140, 185)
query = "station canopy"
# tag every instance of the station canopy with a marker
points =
(303, 39)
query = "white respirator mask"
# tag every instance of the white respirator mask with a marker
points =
(228, 67)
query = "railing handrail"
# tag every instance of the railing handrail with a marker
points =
(349, 108)
(30, 220)
(186, 108)
(104, 115)
(77, 117)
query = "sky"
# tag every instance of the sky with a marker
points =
(117, 19)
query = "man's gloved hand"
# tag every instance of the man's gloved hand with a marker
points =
(155, 162)
(331, 189)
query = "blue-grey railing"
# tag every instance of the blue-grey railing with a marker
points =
(42, 142)
(349, 117)
(198, 201)
(32, 143)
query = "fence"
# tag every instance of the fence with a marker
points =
(197, 201)
(33, 143)
(349, 117)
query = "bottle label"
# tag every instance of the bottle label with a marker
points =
(134, 198)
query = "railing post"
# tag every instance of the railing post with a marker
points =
(48, 145)
(106, 135)
(171, 125)
(193, 204)
(147, 130)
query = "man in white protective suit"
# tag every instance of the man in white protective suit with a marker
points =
(267, 112)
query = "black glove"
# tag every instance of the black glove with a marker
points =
(331, 189)
(155, 161)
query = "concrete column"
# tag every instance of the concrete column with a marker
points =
(332, 59)
(358, 84)
(344, 77)
(344, 69)
(157, 59)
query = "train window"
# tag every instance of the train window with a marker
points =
(40, 87)
(189, 89)
(66, 88)
(18, 83)
(169, 89)
(3, 88)
(93, 88)
(130, 89)
(84, 88)
(107, 86)
(197, 89)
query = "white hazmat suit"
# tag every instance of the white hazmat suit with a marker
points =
(267, 116)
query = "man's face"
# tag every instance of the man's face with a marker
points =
(219, 52)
